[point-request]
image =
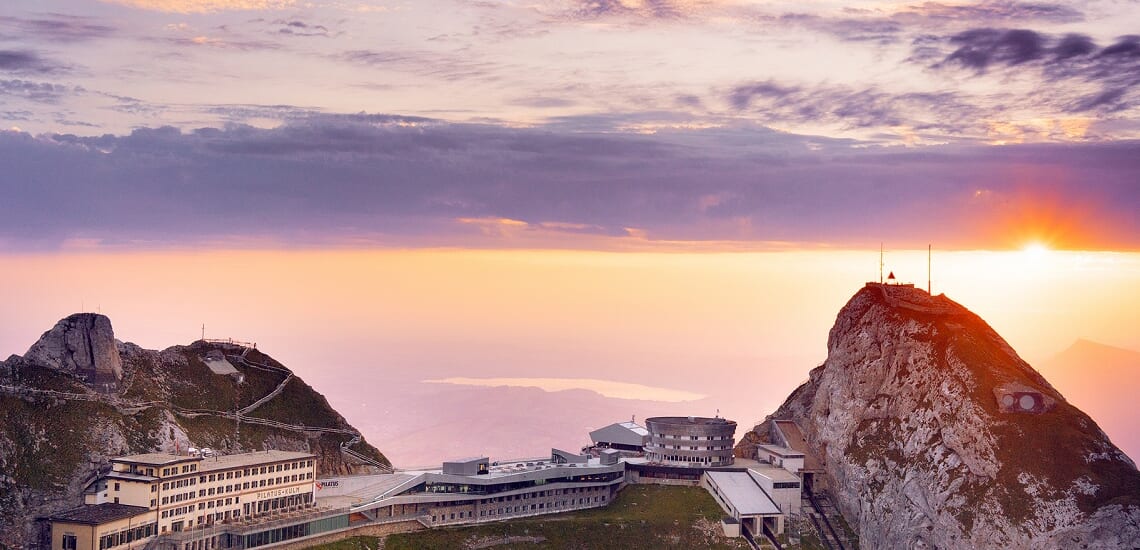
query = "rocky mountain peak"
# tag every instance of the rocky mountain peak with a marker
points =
(936, 434)
(83, 345)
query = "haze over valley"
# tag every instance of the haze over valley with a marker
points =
(375, 331)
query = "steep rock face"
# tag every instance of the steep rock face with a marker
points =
(82, 345)
(58, 432)
(937, 435)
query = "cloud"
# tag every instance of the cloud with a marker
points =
(29, 62)
(866, 107)
(1114, 70)
(885, 25)
(990, 11)
(446, 66)
(379, 179)
(979, 48)
(57, 27)
(296, 27)
(206, 6)
(39, 92)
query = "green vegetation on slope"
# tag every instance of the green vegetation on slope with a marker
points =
(642, 516)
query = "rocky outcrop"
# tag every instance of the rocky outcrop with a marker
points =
(59, 431)
(82, 345)
(935, 434)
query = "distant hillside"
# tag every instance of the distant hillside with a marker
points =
(79, 397)
(935, 434)
(1103, 381)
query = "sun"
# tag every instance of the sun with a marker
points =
(1035, 250)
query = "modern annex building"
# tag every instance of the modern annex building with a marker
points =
(476, 490)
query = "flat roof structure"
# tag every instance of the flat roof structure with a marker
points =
(221, 462)
(780, 451)
(790, 431)
(207, 463)
(627, 434)
(743, 494)
(99, 513)
(220, 365)
(155, 459)
(779, 475)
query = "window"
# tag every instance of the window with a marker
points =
(69, 542)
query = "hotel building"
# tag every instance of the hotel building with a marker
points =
(157, 494)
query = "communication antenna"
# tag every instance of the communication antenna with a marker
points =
(880, 263)
(928, 271)
(203, 331)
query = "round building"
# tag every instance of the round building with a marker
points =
(690, 441)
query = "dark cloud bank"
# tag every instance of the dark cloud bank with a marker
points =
(404, 181)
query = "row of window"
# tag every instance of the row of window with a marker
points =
(177, 511)
(169, 484)
(690, 459)
(236, 487)
(230, 474)
(175, 470)
(177, 498)
(695, 448)
(692, 437)
(124, 536)
(521, 508)
(269, 469)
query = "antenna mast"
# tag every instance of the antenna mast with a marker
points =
(928, 271)
(203, 331)
(880, 263)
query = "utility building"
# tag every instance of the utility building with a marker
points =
(623, 436)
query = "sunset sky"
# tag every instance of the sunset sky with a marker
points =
(586, 189)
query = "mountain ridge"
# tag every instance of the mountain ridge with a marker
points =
(910, 416)
(80, 397)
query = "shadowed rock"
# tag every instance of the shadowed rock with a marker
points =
(83, 345)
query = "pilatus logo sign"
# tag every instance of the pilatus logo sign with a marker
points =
(330, 483)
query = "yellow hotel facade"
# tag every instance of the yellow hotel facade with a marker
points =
(155, 494)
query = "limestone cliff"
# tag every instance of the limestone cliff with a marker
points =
(935, 434)
(79, 397)
(82, 345)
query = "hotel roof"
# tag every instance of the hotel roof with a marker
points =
(155, 459)
(216, 462)
(99, 513)
(225, 462)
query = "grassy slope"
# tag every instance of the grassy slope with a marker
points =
(642, 516)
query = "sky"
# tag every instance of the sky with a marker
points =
(388, 192)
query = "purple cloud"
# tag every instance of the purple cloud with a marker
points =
(29, 62)
(405, 180)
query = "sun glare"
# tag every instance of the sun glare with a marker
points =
(1035, 250)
